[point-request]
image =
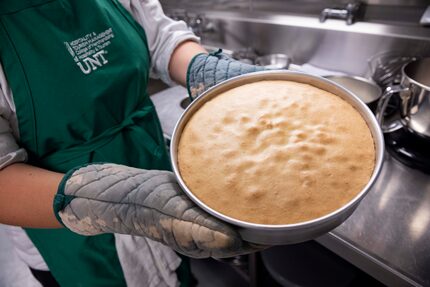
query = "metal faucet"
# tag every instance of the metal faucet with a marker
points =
(349, 13)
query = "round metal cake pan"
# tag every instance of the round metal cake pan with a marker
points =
(287, 233)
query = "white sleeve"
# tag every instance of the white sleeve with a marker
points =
(163, 34)
(10, 152)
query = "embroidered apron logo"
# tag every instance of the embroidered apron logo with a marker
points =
(89, 51)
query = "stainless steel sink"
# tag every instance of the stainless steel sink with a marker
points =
(331, 45)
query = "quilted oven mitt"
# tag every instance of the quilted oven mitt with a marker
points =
(110, 198)
(207, 70)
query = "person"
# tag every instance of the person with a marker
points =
(78, 132)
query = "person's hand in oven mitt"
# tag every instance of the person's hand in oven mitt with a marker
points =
(207, 70)
(111, 198)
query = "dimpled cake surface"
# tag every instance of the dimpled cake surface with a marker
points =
(276, 152)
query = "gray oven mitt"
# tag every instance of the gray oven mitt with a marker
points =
(110, 198)
(207, 70)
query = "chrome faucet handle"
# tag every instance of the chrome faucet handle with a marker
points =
(353, 10)
(348, 13)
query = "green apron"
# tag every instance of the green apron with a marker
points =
(79, 70)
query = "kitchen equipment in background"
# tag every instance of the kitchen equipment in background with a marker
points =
(408, 138)
(386, 68)
(289, 233)
(425, 19)
(274, 61)
(414, 92)
(409, 149)
(367, 90)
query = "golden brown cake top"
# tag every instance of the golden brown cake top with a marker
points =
(276, 152)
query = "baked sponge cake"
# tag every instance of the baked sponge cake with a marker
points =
(276, 152)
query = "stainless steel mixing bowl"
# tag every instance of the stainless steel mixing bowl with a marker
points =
(288, 233)
(367, 90)
(274, 61)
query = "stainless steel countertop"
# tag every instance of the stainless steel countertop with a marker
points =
(388, 236)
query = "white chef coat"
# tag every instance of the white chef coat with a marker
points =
(144, 262)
